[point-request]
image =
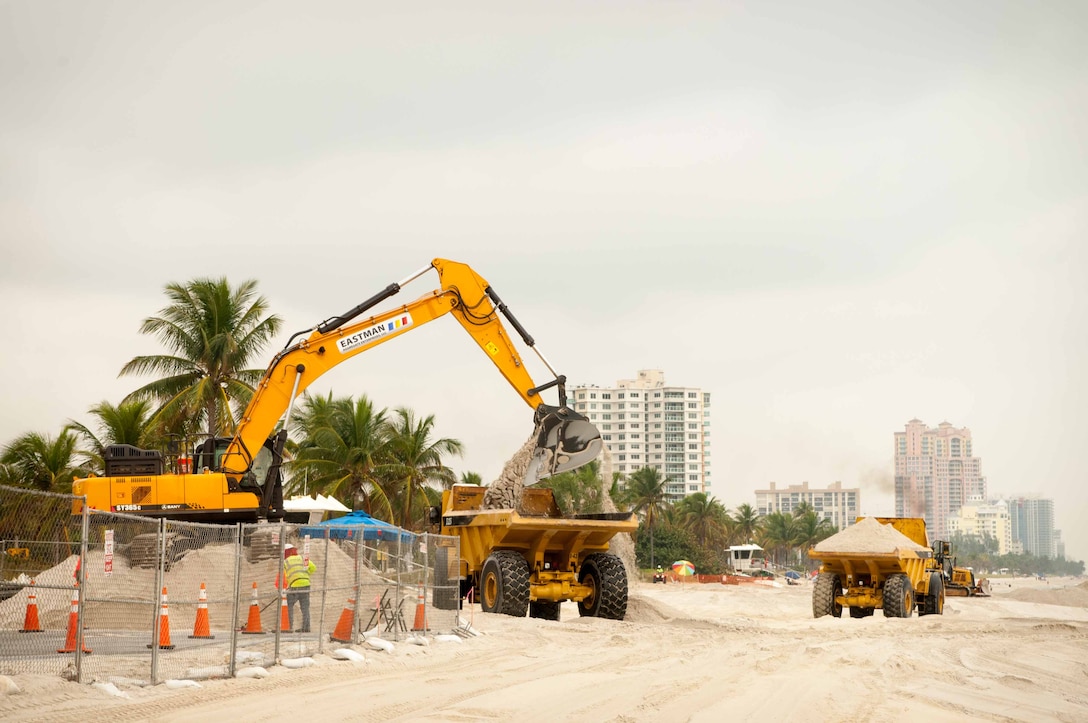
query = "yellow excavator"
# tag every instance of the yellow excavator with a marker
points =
(239, 479)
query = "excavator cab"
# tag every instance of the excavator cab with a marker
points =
(565, 440)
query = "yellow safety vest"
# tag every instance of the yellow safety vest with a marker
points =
(297, 571)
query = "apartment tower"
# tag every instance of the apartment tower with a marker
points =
(646, 423)
(935, 474)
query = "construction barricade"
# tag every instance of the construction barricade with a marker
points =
(132, 589)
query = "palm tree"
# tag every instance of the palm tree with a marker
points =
(747, 522)
(703, 516)
(416, 460)
(577, 491)
(812, 529)
(802, 509)
(471, 478)
(343, 451)
(213, 332)
(646, 494)
(126, 423)
(779, 532)
(43, 462)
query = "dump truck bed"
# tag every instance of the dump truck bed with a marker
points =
(876, 565)
(537, 528)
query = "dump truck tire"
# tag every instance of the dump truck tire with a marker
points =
(604, 573)
(446, 592)
(861, 612)
(544, 609)
(898, 596)
(933, 604)
(504, 584)
(827, 588)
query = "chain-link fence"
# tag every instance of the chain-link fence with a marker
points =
(99, 596)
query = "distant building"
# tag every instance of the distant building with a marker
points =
(935, 474)
(1032, 521)
(984, 520)
(646, 423)
(833, 503)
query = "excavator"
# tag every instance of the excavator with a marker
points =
(239, 479)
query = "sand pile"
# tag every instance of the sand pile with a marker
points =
(1075, 596)
(121, 600)
(868, 536)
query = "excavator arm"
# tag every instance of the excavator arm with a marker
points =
(566, 440)
(227, 477)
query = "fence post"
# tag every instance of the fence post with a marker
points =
(80, 579)
(239, 550)
(360, 548)
(324, 595)
(426, 570)
(159, 574)
(281, 590)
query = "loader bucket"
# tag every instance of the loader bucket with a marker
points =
(565, 440)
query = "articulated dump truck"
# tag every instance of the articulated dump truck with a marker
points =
(879, 562)
(529, 559)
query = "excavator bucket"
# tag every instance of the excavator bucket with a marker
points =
(565, 440)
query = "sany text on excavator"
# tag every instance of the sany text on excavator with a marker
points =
(239, 479)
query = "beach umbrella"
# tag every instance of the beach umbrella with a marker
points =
(683, 567)
(793, 574)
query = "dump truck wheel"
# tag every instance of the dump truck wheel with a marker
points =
(446, 592)
(827, 588)
(504, 584)
(861, 612)
(898, 596)
(934, 600)
(544, 609)
(605, 574)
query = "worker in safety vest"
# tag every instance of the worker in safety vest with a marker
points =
(296, 577)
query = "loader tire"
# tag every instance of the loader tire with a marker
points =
(898, 596)
(605, 574)
(828, 586)
(446, 591)
(933, 604)
(504, 584)
(544, 609)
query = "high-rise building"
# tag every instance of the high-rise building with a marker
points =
(935, 474)
(1032, 520)
(646, 423)
(833, 503)
(982, 520)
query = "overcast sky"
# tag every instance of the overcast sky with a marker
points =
(833, 216)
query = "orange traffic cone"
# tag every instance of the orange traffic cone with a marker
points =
(420, 624)
(73, 626)
(30, 623)
(202, 626)
(164, 625)
(285, 615)
(346, 625)
(253, 625)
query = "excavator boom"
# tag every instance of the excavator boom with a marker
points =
(565, 439)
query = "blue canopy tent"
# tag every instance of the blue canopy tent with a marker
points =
(358, 525)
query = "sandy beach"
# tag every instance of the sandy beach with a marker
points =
(686, 652)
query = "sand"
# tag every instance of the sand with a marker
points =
(686, 652)
(868, 536)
